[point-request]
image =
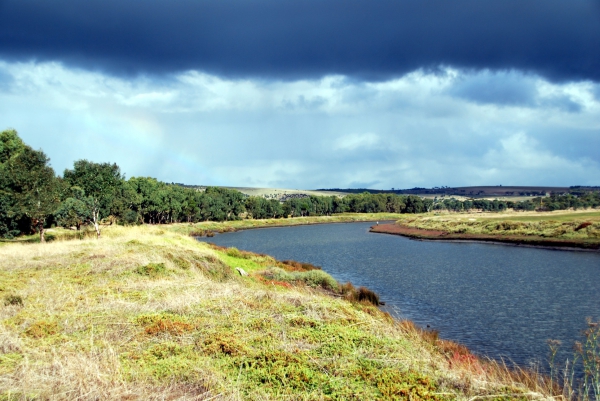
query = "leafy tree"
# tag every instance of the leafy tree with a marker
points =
(100, 182)
(32, 186)
(10, 146)
(73, 211)
(274, 209)
(256, 207)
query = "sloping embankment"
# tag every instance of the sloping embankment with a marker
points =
(147, 313)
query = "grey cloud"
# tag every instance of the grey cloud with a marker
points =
(6, 81)
(293, 39)
(503, 88)
(597, 92)
(303, 103)
(563, 103)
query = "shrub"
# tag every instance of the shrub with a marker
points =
(293, 265)
(362, 294)
(366, 295)
(312, 278)
(318, 278)
(130, 217)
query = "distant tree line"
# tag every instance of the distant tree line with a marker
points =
(585, 200)
(33, 197)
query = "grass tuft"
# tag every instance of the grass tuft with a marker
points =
(152, 270)
(13, 299)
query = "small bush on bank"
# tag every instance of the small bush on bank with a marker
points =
(361, 294)
(318, 278)
(300, 266)
(311, 278)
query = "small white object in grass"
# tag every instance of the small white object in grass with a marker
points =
(241, 271)
(472, 219)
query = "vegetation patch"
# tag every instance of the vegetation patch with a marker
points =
(178, 261)
(152, 270)
(164, 324)
(42, 329)
(362, 294)
(311, 278)
(13, 299)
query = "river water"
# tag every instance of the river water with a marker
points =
(500, 301)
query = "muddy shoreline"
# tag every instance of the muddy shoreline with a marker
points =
(530, 242)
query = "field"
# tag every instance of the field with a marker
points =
(149, 313)
(571, 229)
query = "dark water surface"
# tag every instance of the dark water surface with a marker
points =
(500, 301)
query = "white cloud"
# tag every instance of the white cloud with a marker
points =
(450, 128)
(357, 142)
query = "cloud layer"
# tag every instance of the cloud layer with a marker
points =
(309, 39)
(449, 127)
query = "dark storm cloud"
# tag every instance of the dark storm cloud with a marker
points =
(307, 38)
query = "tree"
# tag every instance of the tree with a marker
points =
(100, 183)
(73, 211)
(10, 146)
(33, 187)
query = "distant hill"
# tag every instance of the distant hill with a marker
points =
(476, 191)
(467, 192)
(280, 194)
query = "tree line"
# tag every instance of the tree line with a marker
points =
(587, 199)
(33, 198)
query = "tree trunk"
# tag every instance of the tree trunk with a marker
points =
(41, 225)
(96, 226)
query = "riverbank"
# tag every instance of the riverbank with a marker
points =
(213, 227)
(209, 228)
(150, 313)
(570, 231)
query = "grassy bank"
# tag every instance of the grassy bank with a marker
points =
(557, 229)
(150, 313)
(212, 227)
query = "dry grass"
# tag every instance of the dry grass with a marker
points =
(563, 225)
(92, 325)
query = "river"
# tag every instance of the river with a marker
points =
(500, 301)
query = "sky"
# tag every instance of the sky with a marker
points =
(309, 93)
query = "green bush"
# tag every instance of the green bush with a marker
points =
(234, 252)
(318, 278)
(311, 278)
